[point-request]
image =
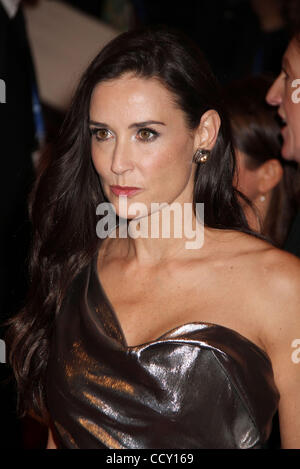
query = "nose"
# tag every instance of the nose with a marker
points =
(274, 95)
(121, 161)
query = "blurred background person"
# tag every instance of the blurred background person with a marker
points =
(20, 124)
(263, 176)
(284, 95)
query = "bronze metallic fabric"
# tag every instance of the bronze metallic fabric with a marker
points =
(200, 385)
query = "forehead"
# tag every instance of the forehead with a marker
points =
(131, 93)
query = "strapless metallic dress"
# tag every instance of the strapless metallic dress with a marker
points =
(200, 385)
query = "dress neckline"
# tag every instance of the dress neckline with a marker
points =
(170, 332)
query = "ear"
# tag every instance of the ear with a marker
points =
(207, 131)
(269, 175)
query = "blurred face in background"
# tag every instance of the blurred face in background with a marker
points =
(257, 184)
(285, 93)
(247, 179)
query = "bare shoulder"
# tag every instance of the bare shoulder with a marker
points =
(279, 273)
(274, 275)
(272, 282)
(275, 266)
(277, 292)
(270, 278)
(278, 268)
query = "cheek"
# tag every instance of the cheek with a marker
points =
(101, 164)
(295, 123)
(157, 165)
(168, 162)
(291, 133)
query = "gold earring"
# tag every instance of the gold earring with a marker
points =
(201, 156)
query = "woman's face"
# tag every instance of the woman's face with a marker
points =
(140, 139)
(285, 93)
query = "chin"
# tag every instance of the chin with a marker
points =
(130, 216)
(124, 216)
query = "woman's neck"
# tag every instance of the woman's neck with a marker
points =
(162, 235)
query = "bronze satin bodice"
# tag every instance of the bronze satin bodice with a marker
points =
(199, 385)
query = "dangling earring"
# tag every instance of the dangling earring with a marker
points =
(262, 198)
(201, 156)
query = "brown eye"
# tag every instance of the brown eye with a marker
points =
(147, 134)
(101, 134)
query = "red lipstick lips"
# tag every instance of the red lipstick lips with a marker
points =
(124, 190)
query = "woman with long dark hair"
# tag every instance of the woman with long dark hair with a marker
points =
(138, 338)
(262, 174)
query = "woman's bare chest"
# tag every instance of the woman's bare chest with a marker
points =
(149, 305)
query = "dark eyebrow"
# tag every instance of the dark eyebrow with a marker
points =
(98, 124)
(144, 124)
(136, 124)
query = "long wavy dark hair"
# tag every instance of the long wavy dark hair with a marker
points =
(67, 191)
